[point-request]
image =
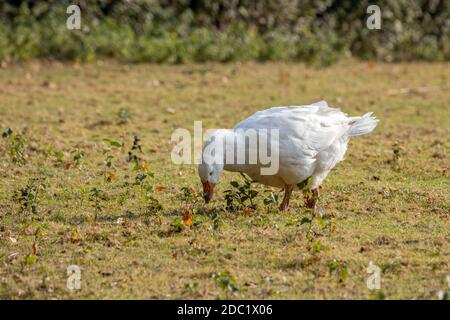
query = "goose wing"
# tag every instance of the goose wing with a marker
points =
(304, 131)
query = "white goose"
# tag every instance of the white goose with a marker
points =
(312, 140)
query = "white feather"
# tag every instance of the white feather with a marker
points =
(313, 139)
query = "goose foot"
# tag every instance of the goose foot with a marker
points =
(311, 197)
(284, 206)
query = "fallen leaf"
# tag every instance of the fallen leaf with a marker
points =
(68, 165)
(111, 177)
(144, 166)
(75, 236)
(187, 215)
(34, 248)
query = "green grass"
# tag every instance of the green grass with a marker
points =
(391, 210)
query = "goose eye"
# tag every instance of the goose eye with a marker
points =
(211, 173)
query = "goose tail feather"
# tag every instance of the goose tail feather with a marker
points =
(362, 125)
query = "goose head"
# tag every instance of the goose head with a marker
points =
(212, 161)
(209, 176)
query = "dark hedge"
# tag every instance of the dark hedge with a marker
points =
(179, 31)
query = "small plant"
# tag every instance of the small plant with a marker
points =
(324, 223)
(241, 196)
(397, 154)
(190, 288)
(271, 199)
(77, 156)
(153, 205)
(124, 116)
(132, 153)
(32, 257)
(143, 181)
(339, 269)
(316, 247)
(226, 282)
(189, 195)
(96, 197)
(57, 156)
(108, 173)
(27, 197)
(377, 295)
(396, 150)
(185, 221)
(15, 146)
(216, 218)
(177, 224)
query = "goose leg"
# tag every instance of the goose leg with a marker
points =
(284, 206)
(311, 197)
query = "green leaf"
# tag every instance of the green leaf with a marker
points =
(305, 220)
(379, 295)
(253, 193)
(235, 184)
(30, 259)
(114, 143)
(8, 132)
(140, 177)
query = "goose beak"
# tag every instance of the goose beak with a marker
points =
(208, 191)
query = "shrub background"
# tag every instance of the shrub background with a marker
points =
(318, 32)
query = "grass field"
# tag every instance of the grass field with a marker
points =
(70, 196)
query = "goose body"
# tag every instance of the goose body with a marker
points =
(312, 140)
